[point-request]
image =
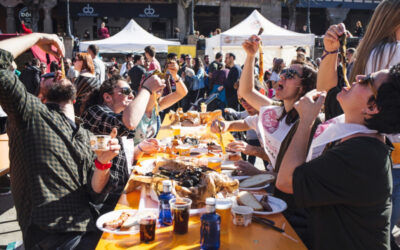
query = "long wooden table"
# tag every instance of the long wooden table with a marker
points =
(255, 236)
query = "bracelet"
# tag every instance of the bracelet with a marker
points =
(329, 53)
(140, 149)
(101, 166)
(178, 79)
(146, 88)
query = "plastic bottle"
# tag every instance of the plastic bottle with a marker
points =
(165, 217)
(210, 227)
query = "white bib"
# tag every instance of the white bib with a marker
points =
(333, 130)
(272, 131)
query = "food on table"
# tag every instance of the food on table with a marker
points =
(188, 119)
(129, 223)
(265, 204)
(191, 178)
(259, 180)
(233, 156)
(117, 223)
(246, 198)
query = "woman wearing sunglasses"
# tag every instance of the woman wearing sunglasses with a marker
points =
(114, 106)
(381, 50)
(150, 123)
(346, 181)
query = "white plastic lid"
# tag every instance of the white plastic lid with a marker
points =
(210, 201)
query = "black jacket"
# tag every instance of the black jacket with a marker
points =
(30, 77)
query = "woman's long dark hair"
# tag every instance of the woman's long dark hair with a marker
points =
(197, 65)
(308, 83)
(96, 97)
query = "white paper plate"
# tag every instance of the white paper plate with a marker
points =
(254, 188)
(239, 177)
(276, 204)
(113, 215)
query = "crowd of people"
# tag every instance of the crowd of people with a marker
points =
(328, 144)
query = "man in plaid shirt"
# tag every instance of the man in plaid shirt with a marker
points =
(114, 106)
(54, 173)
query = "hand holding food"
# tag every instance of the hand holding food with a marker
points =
(246, 169)
(218, 127)
(149, 146)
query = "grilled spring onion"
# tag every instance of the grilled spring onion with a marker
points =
(62, 69)
(220, 138)
(342, 51)
(261, 74)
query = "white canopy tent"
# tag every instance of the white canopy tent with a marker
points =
(132, 38)
(277, 41)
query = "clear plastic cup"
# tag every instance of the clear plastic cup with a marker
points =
(242, 215)
(215, 163)
(100, 142)
(180, 209)
(223, 208)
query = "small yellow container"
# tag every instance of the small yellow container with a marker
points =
(215, 163)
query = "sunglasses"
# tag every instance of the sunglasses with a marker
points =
(290, 73)
(125, 90)
(242, 100)
(369, 80)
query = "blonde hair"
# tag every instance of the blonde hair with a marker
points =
(381, 32)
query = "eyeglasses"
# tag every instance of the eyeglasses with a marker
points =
(369, 80)
(290, 73)
(125, 90)
(242, 100)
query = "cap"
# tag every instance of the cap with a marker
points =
(167, 183)
(210, 201)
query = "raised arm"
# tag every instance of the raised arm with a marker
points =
(327, 74)
(14, 98)
(18, 45)
(181, 90)
(133, 114)
(308, 108)
(246, 84)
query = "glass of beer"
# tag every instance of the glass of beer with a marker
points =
(180, 209)
(184, 150)
(223, 208)
(215, 163)
(176, 131)
(147, 228)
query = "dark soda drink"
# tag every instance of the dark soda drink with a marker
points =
(180, 208)
(181, 220)
(147, 229)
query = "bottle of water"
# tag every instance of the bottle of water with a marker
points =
(210, 227)
(165, 217)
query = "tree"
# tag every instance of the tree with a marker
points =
(291, 4)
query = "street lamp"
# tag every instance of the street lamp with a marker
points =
(69, 34)
(308, 17)
(191, 21)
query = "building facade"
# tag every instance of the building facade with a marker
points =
(160, 17)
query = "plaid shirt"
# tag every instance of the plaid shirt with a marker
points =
(100, 120)
(50, 160)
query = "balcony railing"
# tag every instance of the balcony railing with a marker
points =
(351, 4)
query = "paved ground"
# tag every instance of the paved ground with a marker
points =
(10, 231)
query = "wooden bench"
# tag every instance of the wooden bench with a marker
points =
(4, 161)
